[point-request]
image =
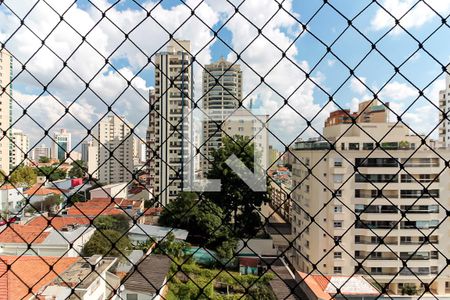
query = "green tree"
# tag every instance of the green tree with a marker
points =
(78, 169)
(239, 202)
(171, 247)
(23, 175)
(203, 219)
(44, 160)
(120, 223)
(107, 243)
(48, 204)
(53, 172)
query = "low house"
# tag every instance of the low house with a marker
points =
(115, 190)
(45, 241)
(21, 277)
(142, 232)
(59, 222)
(320, 287)
(149, 215)
(11, 198)
(104, 206)
(80, 281)
(39, 192)
(148, 280)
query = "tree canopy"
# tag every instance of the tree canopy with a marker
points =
(120, 223)
(239, 202)
(53, 172)
(23, 175)
(101, 243)
(203, 220)
(44, 160)
(78, 169)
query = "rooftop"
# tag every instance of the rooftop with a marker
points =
(149, 275)
(59, 223)
(15, 283)
(40, 190)
(80, 274)
(158, 232)
(16, 233)
(325, 287)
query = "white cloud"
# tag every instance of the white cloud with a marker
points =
(415, 18)
(395, 91)
(358, 85)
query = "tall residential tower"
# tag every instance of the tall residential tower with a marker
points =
(5, 109)
(171, 120)
(222, 93)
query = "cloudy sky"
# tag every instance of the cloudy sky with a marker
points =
(259, 31)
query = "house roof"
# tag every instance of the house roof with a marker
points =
(149, 276)
(16, 233)
(40, 190)
(59, 222)
(158, 232)
(324, 287)
(29, 271)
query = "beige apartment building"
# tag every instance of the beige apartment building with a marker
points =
(389, 209)
(253, 126)
(19, 148)
(5, 108)
(171, 121)
(114, 146)
(444, 106)
(222, 93)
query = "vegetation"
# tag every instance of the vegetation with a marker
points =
(119, 223)
(226, 285)
(53, 172)
(409, 289)
(47, 205)
(108, 243)
(239, 202)
(44, 160)
(169, 246)
(23, 175)
(78, 169)
(203, 220)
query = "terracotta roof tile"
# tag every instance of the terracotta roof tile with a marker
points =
(58, 222)
(16, 233)
(41, 190)
(21, 276)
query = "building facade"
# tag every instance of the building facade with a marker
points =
(171, 121)
(40, 152)
(221, 95)
(377, 204)
(6, 75)
(19, 148)
(113, 143)
(444, 106)
(62, 144)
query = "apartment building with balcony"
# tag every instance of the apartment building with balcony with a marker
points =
(221, 95)
(171, 121)
(6, 90)
(371, 199)
(444, 106)
(113, 142)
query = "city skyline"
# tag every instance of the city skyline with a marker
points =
(304, 52)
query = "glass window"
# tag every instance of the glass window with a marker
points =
(353, 146)
(338, 161)
(368, 146)
(338, 209)
(337, 178)
(337, 255)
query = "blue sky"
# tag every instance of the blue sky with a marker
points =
(325, 22)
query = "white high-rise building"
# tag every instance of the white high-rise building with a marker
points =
(222, 93)
(5, 109)
(114, 144)
(89, 154)
(19, 148)
(171, 121)
(62, 144)
(444, 105)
